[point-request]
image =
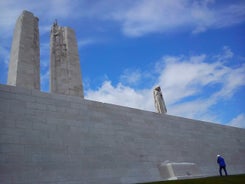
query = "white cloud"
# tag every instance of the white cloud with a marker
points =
(46, 10)
(131, 77)
(186, 80)
(61, 8)
(44, 29)
(85, 42)
(191, 86)
(162, 16)
(136, 18)
(196, 109)
(186, 76)
(4, 55)
(152, 16)
(230, 15)
(232, 80)
(44, 49)
(121, 95)
(8, 16)
(45, 80)
(227, 52)
(225, 55)
(238, 121)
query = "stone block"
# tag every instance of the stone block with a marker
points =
(180, 170)
(36, 105)
(4, 106)
(5, 138)
(5, 88)
(11, 148)
(23, 124)
(43, 126)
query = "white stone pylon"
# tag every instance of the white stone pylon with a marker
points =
(65, 72)
(24, 64)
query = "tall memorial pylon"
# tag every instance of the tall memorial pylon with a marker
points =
(65, 73)
(24, 65)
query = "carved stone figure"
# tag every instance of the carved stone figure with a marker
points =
(159, 101)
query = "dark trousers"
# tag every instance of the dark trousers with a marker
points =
(220, 170)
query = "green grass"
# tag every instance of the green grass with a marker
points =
(234, 179)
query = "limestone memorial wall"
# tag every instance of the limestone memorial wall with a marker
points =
(52, 138)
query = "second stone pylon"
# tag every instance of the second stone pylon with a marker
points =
(65, 72)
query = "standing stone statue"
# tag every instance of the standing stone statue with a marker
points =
(159, 101)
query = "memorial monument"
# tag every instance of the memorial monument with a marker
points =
(159, 101)
(24, 65)
(61, 138)
(65, 73)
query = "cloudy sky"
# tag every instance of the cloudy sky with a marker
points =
(193, 49)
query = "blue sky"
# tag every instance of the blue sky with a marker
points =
(193, 49)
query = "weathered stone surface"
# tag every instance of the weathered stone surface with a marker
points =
(182, 170)
(65, 74)
(24, 65)
(52, 138)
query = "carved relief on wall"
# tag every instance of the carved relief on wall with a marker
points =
(36, 34)
(59, 45)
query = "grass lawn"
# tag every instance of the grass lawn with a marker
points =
(234, 179)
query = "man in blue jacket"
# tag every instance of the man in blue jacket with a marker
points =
(222, 165)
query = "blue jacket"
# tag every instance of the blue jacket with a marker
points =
(221, 161)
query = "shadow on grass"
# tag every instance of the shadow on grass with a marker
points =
(234, 179)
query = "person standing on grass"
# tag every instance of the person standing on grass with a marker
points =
(222, 165)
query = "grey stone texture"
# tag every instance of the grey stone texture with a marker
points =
(52, 138)
(182, 170)
(65, 73)
(24, 65)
